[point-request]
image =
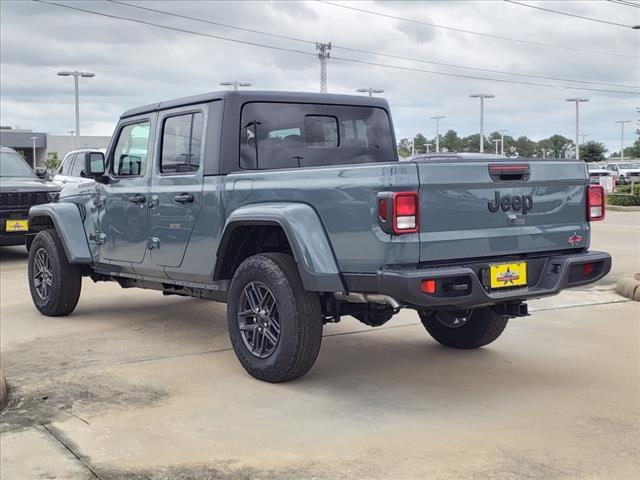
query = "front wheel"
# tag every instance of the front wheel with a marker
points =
(464, 329)
(275, 325)
(54, 283)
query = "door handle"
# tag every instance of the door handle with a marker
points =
(183, 198)
(138, 199)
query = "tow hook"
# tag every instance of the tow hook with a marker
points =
(511, 309)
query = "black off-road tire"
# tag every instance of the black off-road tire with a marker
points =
(65, 278)
(299, 315)
(481, 328)
(28, 242)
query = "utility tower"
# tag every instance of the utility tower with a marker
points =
(323, 55)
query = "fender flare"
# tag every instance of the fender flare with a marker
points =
(306, 235)
(69, 226)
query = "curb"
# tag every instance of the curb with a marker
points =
(630, 287)
(3, 391)
(620, 208)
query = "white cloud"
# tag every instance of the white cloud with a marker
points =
(137, 64)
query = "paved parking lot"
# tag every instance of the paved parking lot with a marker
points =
(135, 385)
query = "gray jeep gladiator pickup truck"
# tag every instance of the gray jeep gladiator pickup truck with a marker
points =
(294, 210)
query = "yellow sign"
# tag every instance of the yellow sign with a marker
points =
(509, 275)
(17, 226)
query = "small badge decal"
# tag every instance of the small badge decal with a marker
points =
(575, 239)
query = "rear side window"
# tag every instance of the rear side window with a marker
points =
(284, 135)
(181, 143)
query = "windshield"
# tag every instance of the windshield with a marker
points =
(629, 165)
(593, 166)
(12, 165)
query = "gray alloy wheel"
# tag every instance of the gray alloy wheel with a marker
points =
(258, 319)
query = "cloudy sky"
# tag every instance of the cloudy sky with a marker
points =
(137, 64)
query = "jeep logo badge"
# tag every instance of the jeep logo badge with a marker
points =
(516, 203)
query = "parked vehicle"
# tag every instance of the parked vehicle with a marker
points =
(294, 210)
(70, 169)
(596, 171)
(626, 172)
(20, 189)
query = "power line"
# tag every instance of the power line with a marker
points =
(490, 35)
(368, 52)
(624, 2)
(568, 14)
(301, 52)
(516, 82)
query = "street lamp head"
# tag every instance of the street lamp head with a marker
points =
(577, 99)
(87, 74)
(482, 95)
(437, 117)
(33, 138)
(65, 73)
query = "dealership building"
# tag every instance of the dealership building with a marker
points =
(45, 143)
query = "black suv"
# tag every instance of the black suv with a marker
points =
(20, 189)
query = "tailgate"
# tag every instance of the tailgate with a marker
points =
(468, 212)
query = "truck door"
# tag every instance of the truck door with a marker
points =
(124, 222)
(176, 183)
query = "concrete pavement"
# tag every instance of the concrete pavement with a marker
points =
(135, 385)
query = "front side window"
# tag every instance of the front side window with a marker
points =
(285, 135)
(181, 143)
(130, 154)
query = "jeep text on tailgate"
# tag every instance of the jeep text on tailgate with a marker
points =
(294, 210)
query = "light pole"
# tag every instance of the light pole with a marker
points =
(33, 143)
(495, 143)
(584, 137)
(235, 84)
(76, 74)
(437, 119)
(622, 122)
(71, 132)
(577, 102)
(370, 91)
(502, 140)
(482, 96)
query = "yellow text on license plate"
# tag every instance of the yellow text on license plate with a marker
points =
(508, 275)
(17, 226)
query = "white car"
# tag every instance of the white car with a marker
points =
(597, 170)
(70, 170)
(625, 171)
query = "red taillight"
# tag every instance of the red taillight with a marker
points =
(595, 202)
(587, 269)
(428, 286)
(382, 209)
(405, 212)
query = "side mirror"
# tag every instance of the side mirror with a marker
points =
(93, 164)
(41, 172)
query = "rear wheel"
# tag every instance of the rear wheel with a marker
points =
(464, 329)
(274, 324)
(54, 283)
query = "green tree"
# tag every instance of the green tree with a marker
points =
(451, 142)
(52, 162)
(630, 152)
(525, 147)
(420, 143)
(592, 151)
(404, 147)
(556, 145)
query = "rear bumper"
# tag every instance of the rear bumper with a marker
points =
(547, 276)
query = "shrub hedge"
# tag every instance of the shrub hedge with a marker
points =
(623, 200)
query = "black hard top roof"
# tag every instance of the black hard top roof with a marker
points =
(262, 96)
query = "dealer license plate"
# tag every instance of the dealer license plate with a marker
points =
(17, 226)
(508, 275)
